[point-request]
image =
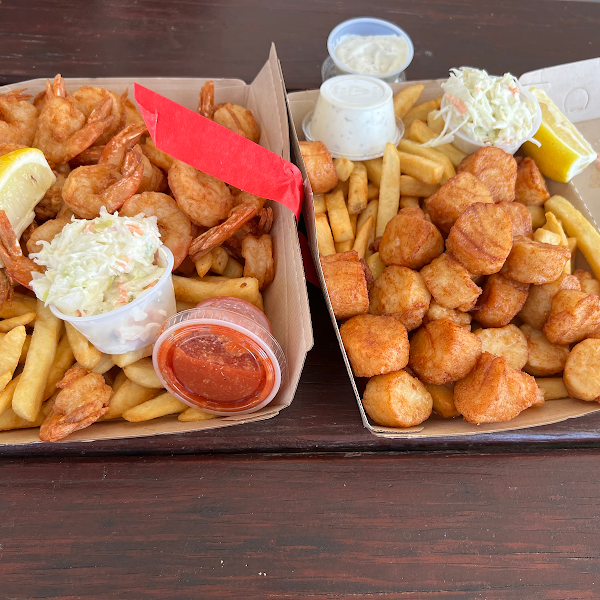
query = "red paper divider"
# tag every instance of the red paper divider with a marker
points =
(214, 149)
(309, 266)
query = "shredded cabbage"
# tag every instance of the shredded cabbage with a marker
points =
(95, 266)
(489, 110)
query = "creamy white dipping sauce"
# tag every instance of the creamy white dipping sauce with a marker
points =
(372, 54)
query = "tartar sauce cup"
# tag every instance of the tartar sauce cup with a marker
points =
(220, 357)
(354, 117)
(135, 325)
(365, 26)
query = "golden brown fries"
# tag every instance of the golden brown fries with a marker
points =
(194, 414)
(324, 236)
(343, 168)
(191, 290)
(406, 98)
(339, 218)
(389, 189)
(126, 396)
(85, 353)
(161, 406)
(142, 372)
(358, 190)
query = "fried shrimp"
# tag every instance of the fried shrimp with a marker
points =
(49, 206)
(18, 118)
(63, 131)
(89, 188)
(157, 157)
(86, 98)
(174, 226)
(83, 399)
(258, 256)
(8, 147)
(46, 232)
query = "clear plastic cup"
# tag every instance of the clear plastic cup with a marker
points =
(364, 26)
(220, 357)
(354, 117)
(134, 325)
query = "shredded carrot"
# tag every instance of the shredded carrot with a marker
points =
(460, 105)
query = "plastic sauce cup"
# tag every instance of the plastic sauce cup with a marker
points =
(135, 325)
(220, 357)
(354, 117)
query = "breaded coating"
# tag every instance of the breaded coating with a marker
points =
(582, 371)
(501, 300)
(450, 283)
(496, 169)
(346, 284)
(397, 400)
(443, 400)
(409, 240)
(588, 284)
(545, 358)
(400, 292)
(535, 262)
(536, 309)
(481, 238)
(574, 315)
(519, 216)
(437, 312)
(442, 352)
(319, 166)
(375, 344)
(506, 341)
(530, 188)
(493, 392)
(454, 197)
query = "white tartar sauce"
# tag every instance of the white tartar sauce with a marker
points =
(372, 54)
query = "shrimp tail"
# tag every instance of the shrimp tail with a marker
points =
(132, 171)
(114, 151)
(17, 95)
(6, 288)
(207, 100)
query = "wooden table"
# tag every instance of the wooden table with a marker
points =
(308, 504)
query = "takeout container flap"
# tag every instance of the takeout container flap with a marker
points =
(286, 299)
(576, 89)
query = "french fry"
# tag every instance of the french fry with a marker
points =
(435, 122)
(319, 203)
(63, 360)
(577, 226)
(370, 211)
(7, 395)
(20, 305)
(546, 237)
(362, 237)
(419, 132)
(126, 396)
(358, 191)
(195, 414)
(538, 216)
(573, 249)
(219, 260)
(406, 201)
(142, 372)
(406, 98)
(11, 420)
(13, 322)
(376, 265)
(420, 112)
(105, 364)
(343, 246)
(10, 352)
(420, 168)
(409, 186)
(342, 186)
(244, 288)
(431, 154)
(372, 191)
(234, 269)
(162, 405)
(324, 235)
(389, 190)
(374, 167)
(343, 167)
(86, 354)
(204, 264)
(554, 225)
(27, 399)
(122, 360)
(339, 218)
(553, 387)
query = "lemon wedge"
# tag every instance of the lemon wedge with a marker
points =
(25, 177)
(564, 152)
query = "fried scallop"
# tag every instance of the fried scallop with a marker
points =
(346, 284)
(530, 188)
(397, 400)
(437, 312)
(319, 166)
(588, 284)
(402, 293)
(545, 358)
(536, 309)
(507, 341)
(454, 197)
(450, 283)
(409, 240)
(519, 216)
(535, 262)
(501, 300)
(375, 344)
(481, 238)
(582, 371)
(574, 315)
(493, 392)
(442, 352)
(443, 400)
(496, 169)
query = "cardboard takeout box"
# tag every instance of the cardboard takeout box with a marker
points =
(286, 299)
(575, 88)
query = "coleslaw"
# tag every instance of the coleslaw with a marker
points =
(96, 266)
(488, 110)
